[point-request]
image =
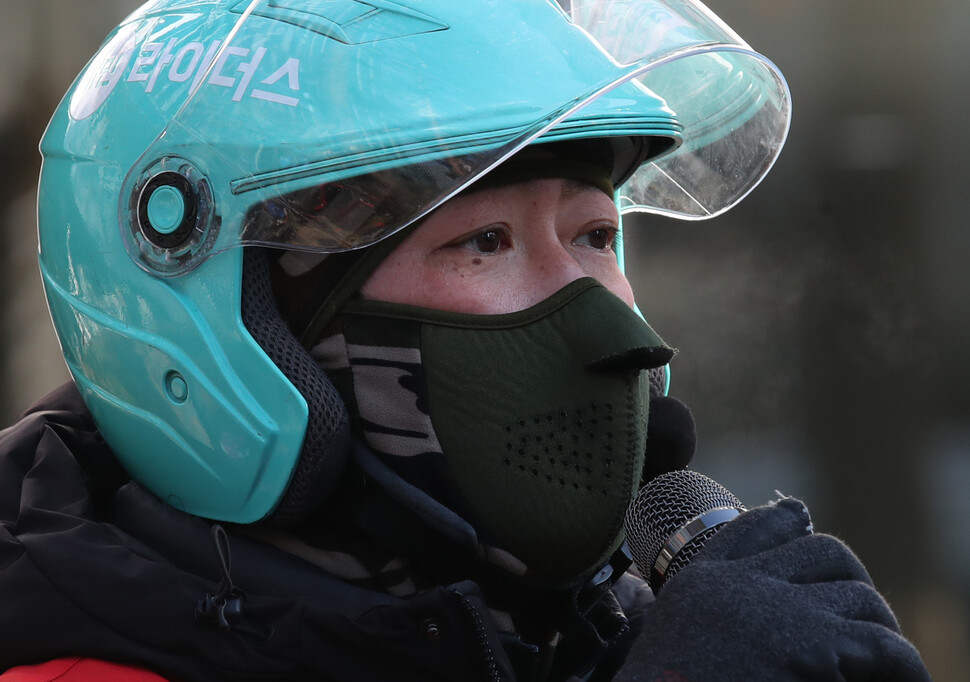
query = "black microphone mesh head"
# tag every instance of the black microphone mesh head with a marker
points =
(666, 505)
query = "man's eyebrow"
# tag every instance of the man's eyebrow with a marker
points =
(572, 186)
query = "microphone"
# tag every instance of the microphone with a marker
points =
(670, 520)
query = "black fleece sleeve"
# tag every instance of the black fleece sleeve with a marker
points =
(767, 599)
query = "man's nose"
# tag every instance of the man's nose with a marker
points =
(554, 267)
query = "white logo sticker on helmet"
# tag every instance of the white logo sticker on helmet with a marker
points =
(248, 72)
(177, 64)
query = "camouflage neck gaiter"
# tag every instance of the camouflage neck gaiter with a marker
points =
(531, 425)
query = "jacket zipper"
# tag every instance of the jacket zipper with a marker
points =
(474, 617)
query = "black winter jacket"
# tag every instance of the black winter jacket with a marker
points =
(91, 564)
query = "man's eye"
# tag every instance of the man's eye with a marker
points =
(601, 238)
(489, 241)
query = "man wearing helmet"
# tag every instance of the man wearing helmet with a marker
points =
(359, 387)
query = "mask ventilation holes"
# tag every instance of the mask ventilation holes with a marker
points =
(570, 448)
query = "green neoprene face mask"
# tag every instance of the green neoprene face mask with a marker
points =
(531, 424)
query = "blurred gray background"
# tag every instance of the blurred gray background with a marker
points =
(823, 325)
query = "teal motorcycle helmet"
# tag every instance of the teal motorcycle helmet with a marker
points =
(203, 128)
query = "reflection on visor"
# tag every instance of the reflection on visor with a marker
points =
(726, 152)
(352, 212)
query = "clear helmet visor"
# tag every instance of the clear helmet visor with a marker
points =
(327, 126)
(733, 103)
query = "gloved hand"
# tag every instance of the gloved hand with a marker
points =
(766, 599)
